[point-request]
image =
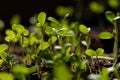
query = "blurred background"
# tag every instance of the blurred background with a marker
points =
(89, 12)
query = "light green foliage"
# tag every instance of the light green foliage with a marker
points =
(6, 76)
(83, 65)
(99, 51)
(52, 39)
(10, 36)
(32, 69)
(104, 74)
(19, 29)
(52, 44)
(83, 29)
(44, 45)
(96, 7)
(42, 18)
(61, 72)
(26, 32)
(3, 47)
(106, 35)
(90, 52)
(1, 61)
(53, 20)
(20, 69)
(17, 34)
(49, 30)
(62, 31)
(3, 54)
(24, 41)
(32, 39)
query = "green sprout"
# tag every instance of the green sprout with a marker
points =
(107, 35)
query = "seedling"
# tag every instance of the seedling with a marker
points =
(107, 35)
(54, 48)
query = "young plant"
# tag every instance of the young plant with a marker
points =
(107, 35)
(83, 29)
(93, 53)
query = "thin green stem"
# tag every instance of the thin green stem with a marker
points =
(115, 47)
(59, 40)
(78, 76)
(22, 45)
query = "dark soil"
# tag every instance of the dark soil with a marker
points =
(98, 64)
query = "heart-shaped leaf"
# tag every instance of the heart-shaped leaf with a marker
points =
(90, 52)
(52, 40)
(43, 45)
(99, 51)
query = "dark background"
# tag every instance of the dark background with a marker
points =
(27, 8)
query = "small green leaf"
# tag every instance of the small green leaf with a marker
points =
(62, 31)
(43, 45)
(84, 64)
(10, 33)
(42, 18)
(4, 56)
(24, 41)
(53, 20)
(52, 40)
(19, 29)
(99, 51)
(1, 61)
(26, 32)
(104, 74)
(70, 33)
(62, 72)
(49, 30)
(83, 29)
(106, 35)
(32, 69)
(6, 76)
(110, 16)
(33, 40)
(90, 52)
(20, 69)
(3, 47)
